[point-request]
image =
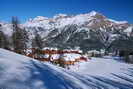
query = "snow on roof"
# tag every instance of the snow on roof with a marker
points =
(28, 51)
(50, 48)
(94, 51)
(71, 57)
(55, 56)
(65, 57)
(46, 56)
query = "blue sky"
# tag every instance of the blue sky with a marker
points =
(25, 9)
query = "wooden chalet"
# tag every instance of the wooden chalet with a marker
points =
(56, 56)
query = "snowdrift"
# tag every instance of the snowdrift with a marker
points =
(20, 72)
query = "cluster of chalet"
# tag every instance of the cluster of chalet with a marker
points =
(68, 57)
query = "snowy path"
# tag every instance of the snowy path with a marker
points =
(20, 72)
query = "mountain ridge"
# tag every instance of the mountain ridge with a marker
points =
(72, 31)
(61, 20)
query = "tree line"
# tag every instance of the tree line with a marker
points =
(19, 40)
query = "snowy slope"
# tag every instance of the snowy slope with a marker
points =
(102, 67)
(20, 72)
(108, 71)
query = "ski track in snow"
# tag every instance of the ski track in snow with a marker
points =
(20, 72)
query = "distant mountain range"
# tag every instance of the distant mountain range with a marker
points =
(70, 31)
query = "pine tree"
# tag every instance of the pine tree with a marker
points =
(37, 42)
(19, 37)
(3, 40)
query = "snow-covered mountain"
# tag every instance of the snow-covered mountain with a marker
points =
(65, 29)
(71, 30)
(92, 20)
(17, 71)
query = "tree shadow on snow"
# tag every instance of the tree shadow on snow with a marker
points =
(51, 78)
